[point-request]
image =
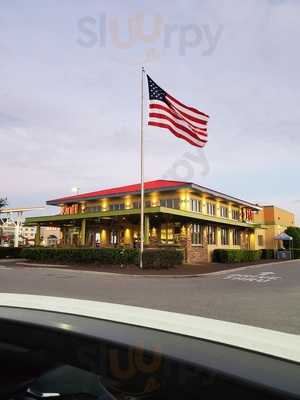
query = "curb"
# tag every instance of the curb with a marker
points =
(58, 267)
(61, 267)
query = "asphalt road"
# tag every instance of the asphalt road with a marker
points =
(265, 296)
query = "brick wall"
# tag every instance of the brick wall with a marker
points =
(196, 254)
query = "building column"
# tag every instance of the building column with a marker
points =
(146, 229)
(37, 239)
(218, 236)
(62, 236)
(128, 236)
(252, 241)
(103, 237)
(230, 237)
(82, 232)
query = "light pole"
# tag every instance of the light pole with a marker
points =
(75, 190)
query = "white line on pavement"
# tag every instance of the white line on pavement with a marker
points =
(262, 277)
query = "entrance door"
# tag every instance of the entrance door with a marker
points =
(167, 234)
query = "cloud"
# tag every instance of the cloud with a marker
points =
(70, 115)
(10, 121)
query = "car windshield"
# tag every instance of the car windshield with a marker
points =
(149, 157)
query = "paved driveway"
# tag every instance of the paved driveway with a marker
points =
(265, 296)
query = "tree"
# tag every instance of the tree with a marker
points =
(294, 232)
(3, 203)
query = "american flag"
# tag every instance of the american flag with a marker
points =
(183, 121)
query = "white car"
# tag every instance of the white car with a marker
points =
(76, 349)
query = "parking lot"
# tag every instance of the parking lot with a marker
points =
(266, 296)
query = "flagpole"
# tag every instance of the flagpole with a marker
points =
(142, 170)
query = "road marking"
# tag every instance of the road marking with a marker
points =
(4, 267)
(262, 277)
(267, 273)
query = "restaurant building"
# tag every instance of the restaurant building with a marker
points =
(275, 221)
(182, 214)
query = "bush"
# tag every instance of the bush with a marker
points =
(296, 253)
(152, 258)
(268, 254)
(104, 256)
(236, 256)
(10, 252)
(162, 258)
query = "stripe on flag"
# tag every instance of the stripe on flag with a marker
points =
(183, 121)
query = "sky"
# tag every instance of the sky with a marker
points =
(70, 96)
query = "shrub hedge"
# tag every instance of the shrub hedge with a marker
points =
(152, 258)
(296, 253)
(235, 256)
(105, 256)
(268, 254)
(10, 252)
(162, 258)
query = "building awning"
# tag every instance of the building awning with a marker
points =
(188, 215)
(283, 236)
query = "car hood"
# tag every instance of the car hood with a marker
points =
(265, 341)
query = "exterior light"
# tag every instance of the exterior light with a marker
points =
(75, 190)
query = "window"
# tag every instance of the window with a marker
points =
(236, 237)
(260, 240)
(197, 234)
(224, 212)
(211, 208)
(224, 236)
(118, 206)
(211, 234)
(195, 205)
(136, 204)
(52, 240)
(170, 203)
(93, 209)
(113, 237)
(235, 214)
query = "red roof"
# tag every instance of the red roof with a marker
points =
(151, 185)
